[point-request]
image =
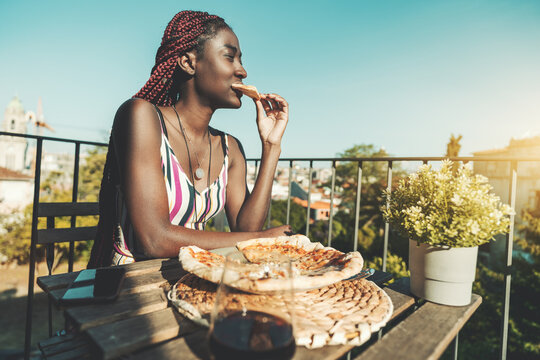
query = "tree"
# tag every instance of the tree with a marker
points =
(374, 181)
(297, 216)
(91, 173)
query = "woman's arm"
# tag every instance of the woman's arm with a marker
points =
(137, 139)
(245, 211)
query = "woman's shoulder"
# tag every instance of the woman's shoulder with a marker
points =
(136, 116)
(236, 151)
(231, 140)
(136, 107)
(133, 111)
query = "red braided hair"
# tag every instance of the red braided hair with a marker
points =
(186, 31)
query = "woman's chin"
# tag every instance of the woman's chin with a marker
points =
(233, 102)
(236, 104)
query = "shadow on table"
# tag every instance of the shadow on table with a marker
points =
(198, 343)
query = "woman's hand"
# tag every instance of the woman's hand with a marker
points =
(277, 231)
(272, 118)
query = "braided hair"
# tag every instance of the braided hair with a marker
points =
(187, 31)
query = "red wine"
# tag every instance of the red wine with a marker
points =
(252, 335)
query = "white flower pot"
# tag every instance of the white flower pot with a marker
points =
(442, 275)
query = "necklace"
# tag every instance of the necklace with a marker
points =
(199, 172)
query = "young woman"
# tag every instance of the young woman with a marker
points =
(168, 172)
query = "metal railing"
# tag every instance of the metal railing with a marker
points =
(360, 161)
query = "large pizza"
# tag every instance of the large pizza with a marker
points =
(314, 266)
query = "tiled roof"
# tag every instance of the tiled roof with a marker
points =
(7, 174)
(319, 205)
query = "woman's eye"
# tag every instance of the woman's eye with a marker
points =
(230, 57)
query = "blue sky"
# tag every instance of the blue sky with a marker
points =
(399, 74)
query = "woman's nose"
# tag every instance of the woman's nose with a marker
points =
(241, 72)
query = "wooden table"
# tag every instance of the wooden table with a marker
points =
(142, 324)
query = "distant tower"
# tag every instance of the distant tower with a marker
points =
(38, 120)
(13, 149)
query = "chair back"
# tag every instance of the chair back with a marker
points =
(51, 236)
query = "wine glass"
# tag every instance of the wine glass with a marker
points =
(253, 326)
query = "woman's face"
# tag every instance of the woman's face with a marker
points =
(218, 68)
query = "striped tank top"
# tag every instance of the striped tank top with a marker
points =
(187, 206)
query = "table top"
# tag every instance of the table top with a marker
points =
(141, 323)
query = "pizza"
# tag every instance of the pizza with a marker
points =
(313, 265)
(248, 90)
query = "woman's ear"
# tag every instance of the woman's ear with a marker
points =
(187, 63)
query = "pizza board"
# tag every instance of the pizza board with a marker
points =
(342, 313)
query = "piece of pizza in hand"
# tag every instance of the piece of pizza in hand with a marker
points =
(248, 90)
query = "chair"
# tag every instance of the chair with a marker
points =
(49, 237)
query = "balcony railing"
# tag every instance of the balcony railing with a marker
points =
(360, 161)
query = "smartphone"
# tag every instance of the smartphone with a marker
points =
(95, 285)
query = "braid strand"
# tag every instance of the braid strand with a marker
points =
(181, 35)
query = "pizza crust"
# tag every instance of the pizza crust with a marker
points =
(210, 271)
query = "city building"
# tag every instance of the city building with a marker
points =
(14, 151)
(17, 158)
(528, 172)
(318, 210)
(16, 190)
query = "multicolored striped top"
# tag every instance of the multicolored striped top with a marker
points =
(183, 199)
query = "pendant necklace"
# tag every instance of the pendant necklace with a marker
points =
(199, 172)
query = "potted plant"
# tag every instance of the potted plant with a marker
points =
(445, 214)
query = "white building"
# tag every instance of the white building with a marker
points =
(14, 151)
(16, 190)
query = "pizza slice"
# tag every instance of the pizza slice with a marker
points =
(248, 90)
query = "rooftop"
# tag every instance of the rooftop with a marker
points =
(7, 174)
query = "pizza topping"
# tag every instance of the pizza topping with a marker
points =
(259, 253)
